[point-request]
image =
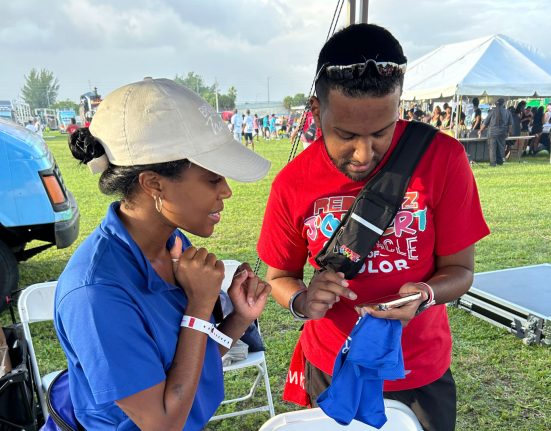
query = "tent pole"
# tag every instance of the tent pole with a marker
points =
(459, 112)
(454, 110)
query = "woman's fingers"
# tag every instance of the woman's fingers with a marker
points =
(176, 251)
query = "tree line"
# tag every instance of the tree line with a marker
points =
(41, 90)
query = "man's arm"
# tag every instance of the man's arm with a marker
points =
(324, 290)
(452, 278)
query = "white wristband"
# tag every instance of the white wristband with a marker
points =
(207, 328)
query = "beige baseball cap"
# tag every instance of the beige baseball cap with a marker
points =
(158, 120)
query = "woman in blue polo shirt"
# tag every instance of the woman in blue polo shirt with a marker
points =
(134, 306)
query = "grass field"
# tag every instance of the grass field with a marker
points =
(502, 384)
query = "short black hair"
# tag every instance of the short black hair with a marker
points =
(356, 44)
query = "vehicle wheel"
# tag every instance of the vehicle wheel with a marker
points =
(9, 274)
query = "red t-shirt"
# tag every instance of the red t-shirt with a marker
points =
(440, 215)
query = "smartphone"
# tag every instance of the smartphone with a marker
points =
(393, 301)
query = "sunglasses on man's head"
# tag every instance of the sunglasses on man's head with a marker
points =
(353, 71)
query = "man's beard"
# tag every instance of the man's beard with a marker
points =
(342, 165)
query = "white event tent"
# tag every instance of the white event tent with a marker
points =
(491, 66)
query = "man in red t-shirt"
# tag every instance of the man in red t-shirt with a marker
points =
(429, 248)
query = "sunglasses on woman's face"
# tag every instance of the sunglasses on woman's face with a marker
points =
(352, 71)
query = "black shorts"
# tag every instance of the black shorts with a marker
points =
(435, 404)
(248, 136)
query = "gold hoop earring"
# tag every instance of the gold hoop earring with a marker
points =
(158, 203)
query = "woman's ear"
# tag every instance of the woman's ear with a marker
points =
(150, 182)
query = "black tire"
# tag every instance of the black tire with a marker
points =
(9, 274)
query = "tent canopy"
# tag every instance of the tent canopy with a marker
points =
(495, 66)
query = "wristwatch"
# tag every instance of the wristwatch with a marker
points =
(294, 313)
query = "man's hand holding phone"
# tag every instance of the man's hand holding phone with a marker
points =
(401, 306)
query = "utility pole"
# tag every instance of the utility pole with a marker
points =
(351, 12)
(216, 93)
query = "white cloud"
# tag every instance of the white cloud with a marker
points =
(244, 43)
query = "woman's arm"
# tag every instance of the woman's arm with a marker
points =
(166, 406)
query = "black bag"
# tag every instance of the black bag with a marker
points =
(376, 205)
(18, 404)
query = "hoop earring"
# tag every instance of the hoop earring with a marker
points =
(158, 203)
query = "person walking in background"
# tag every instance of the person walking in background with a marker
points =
(30, 126)
(515, 131)
(537, 129)
(476, 119)
(237, 125)
(272, 125)
(248, 127)
(266, 126)
(309, 132)
(39, 128)
(135, 306)
(256, 127)
(359, 80)
(498, 122)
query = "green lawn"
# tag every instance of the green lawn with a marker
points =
(502, 384)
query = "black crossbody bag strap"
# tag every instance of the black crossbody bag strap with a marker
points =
(376, 205)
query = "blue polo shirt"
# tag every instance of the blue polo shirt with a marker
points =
(118, 323)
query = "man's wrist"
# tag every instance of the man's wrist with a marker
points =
(430, 301)
(296, 303)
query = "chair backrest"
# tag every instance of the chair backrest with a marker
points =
(36, 304)
(230, 266)
(255, 358)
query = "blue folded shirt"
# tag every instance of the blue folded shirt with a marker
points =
(371, 354)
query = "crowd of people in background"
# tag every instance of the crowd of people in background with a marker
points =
(525, 120)
(247, 127)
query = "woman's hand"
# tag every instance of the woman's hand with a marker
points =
(248, 293)
(200, 274)
(404, 313)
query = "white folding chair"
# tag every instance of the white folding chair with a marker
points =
(399, 418)
(254, 359)
(36, 304)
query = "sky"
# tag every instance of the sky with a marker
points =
(267, 49)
